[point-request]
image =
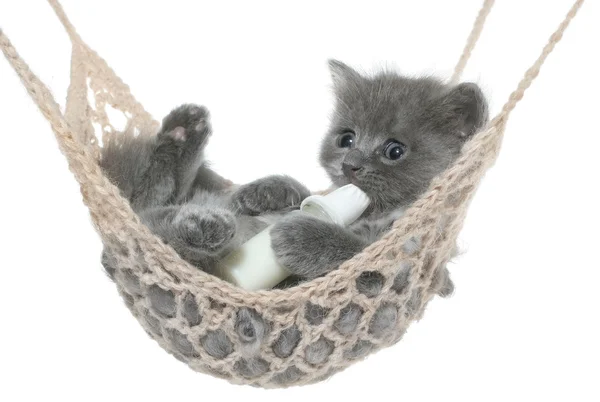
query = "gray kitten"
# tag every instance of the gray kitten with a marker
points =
(185, 203)
(390, 135)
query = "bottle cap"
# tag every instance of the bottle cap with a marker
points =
(343, 205)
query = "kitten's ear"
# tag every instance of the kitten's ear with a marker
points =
(341, 74)
(464, 110)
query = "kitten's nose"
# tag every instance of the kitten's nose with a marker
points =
(353, 162)
(350, 169)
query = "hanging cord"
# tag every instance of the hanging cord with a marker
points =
(534, 70)
(62, 16)
(472, 40)
(485, 145)
(36, 89)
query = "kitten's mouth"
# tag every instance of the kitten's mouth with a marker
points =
(341, 179)
(354, 181)
(351, 179)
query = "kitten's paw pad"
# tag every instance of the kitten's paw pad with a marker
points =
(206, 229)
(194, 120)
(178, 134)
(273, 193)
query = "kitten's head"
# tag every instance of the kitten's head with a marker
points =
(391, 135)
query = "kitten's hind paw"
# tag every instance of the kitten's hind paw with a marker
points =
(189, 124)
(205, 229)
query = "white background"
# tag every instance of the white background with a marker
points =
(523, 324)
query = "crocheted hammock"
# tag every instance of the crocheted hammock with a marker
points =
(197, 307)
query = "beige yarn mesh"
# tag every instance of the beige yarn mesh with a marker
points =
(198, 306)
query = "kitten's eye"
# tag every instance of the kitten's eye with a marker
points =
(346, 140)
(394, 150)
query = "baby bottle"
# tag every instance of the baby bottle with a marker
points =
(253, 266)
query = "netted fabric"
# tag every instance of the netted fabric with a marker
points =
(312, 330)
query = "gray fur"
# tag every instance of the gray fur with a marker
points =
(217, 344)
(153, 323)
(162, 301)
(318, 352)
(290, 282)
(190, 310)
(401, 279)
(287, 341)
(411, 246)
(131, 283)
(428, 120)
(153, 171)
(251, 330)
(199, 233)
(290, 375)
(360, 349)
(309, 247)
(315, 314)
(273, 193)
(383, 320)
(370, 283)
(442, 283)
(251, 368)
(349, 319)
(109, 263)
(181, 343)
(413, 303)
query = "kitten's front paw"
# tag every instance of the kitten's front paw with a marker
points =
(272, 193)
(310, 247)
(291, 239)
(204, 229)
(187, 125)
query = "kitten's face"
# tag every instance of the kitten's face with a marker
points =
(391, 135)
